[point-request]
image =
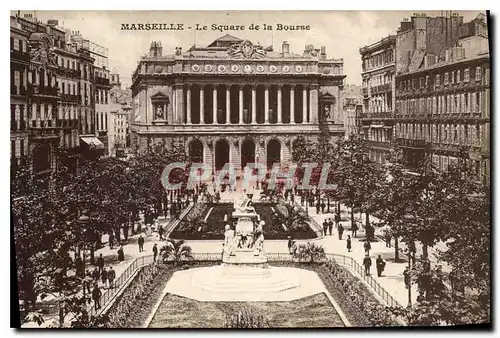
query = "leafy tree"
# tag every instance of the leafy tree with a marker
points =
(176, 251)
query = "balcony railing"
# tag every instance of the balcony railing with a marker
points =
(18, 55)
(68, 72)
(412, 143)
(101, 81)
(70, 97)
(378, 144)
(42, 90)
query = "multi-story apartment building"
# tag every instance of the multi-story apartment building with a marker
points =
(52, 107)
(378, 73)
(443, 102)
(19, 68)
(119, 128)
(352, 103)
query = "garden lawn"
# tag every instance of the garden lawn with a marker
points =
(180, 312)
(216, 225)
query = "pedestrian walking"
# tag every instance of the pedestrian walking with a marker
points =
(104, 278)
(140, 241)
(367, 263)
(79, 266)
(337, 219)
(87, 281)
(325, 227)
(96, 296)
(160, 232)
(388, 240)
(291, 244)
(380, 266)
(317, 208)
(349, 243)
(155, 252)
(100, 263)
(323, 206)
(340, 229)
(407, 277)
(367, 246)
(111, 277)
(111, 240)
(95, 275)
(121, 254)
(330, 226)
(354, 228)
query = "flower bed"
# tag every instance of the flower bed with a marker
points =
(215, 226)
(135, 304)
(359, 305)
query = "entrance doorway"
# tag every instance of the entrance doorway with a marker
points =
(221, 154)
(273, 152)
(247, 152)
(196, 151)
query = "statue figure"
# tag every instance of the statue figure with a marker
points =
(259, 245)
(159, 113)
(228, 240)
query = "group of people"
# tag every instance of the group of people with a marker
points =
(328, 226)
(99, 278)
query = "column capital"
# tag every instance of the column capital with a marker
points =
(215, 85)
(279, 85)
(267, 85)
(313, 86)
(188, 85)
(292, 85)
(178, 85)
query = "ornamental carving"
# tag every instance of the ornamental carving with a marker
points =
(246, 50)
(221, 68)
(286, 69)
(195, 68)
(298, 68)
(208, 68)
(247, 69)
(235, 68)
(273, 68)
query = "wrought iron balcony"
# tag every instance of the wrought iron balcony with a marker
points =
(409, 143)
(19, 55)
(101, 81)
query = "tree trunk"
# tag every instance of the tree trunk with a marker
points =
(396, 249)
(352, 216)
(92, 258)
(338, 207)
(425, 251)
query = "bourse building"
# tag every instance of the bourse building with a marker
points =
(236, 102)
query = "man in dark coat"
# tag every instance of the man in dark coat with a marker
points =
(367, 263)
(367, 247)
(325, 227)
(380, 265)
(100, 263)
(323, 206)
(121, 254)
(407, 277)
(155, 252)
(160, 232)
(354, 228)
(317, 207)
(140, 241)
(96, 296)
(96, 275)
(349, 243)
(330, 226)
(104, 278)
(87, 281)
(111, 277)
(340, 229)
(79, 266)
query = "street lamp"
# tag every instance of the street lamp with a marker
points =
(83, 222)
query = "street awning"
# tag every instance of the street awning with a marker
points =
(92, 141)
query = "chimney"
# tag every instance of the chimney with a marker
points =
(285, 48)
(323, 52)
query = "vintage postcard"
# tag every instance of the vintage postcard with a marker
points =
(250, 169)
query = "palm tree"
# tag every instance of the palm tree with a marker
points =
(309, 252)
(292, 217)
(176, 251)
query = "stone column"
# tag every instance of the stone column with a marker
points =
(179, 104)
(228, 104)
(266, 104)
(254, 104)
(313, 103)
(202, 104)
(304, 105)
(280, 120)
(240, 112)
(188, 104)
(214, 112)
(292, 103)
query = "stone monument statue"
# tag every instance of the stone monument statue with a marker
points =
(228, 241)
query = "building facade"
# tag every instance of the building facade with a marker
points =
(378, 74)
(19, 69)
(119, 128)
(51, 88)
(352, 102)
(443, 99)
(236, 102)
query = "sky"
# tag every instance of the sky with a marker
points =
(342, 32)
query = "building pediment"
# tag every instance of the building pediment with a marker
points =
(159, 96)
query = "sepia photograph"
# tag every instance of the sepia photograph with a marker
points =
(250, 169)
